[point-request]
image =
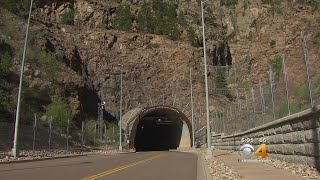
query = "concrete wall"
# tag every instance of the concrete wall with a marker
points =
(294, 138)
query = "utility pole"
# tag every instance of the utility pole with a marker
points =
(120, 122)
(209, 151)
(14, 150)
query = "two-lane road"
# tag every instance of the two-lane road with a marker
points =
(132, 166)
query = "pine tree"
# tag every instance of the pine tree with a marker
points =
(123, 18)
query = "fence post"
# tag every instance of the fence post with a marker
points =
(34, 131)
(223, 122)
(286, 81)
(238, 101)
(82, 133)
(263, 105)
(217, 122)
(113, 133)
(213, 117)
(68, 134)
(95, 132)
(306, 60)
(271, 88)
(50, 129)
(247, 109)
(253, 105)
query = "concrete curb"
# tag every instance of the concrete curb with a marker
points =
(202, 168)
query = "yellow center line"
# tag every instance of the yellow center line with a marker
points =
(119, 168)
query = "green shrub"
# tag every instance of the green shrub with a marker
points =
(181, 19)
(253, 24)
(21, 7)
(276, 65)
(316, 40)
(275, 5)
(193, 39)
(313, 3)
(67, 18)
(6, 54)
(153, 46)
(301, 93)
(5, 63)
(49, 64)
(123, 18)
(112, 131)
(228, 2)
(250, 37)
(273, 43)
(221, 82)
(282, 110)
(60, 114)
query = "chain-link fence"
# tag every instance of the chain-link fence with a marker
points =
(45, 135)
(249, 101)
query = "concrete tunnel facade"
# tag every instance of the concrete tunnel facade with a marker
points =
(157, 128)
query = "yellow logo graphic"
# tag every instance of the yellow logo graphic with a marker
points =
(262, 151)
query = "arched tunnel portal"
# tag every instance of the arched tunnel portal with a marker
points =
(159, 128)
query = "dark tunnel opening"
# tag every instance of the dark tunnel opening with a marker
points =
(158, 131)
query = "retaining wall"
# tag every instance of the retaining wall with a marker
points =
(294, 138)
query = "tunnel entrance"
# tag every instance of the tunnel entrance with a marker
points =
(158, 133)
(160, 128)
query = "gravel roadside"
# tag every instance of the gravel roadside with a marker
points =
(299, 169)
(219, 170)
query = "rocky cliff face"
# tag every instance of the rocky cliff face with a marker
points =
(247, 35)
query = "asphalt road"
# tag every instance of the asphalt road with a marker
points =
(161, 165)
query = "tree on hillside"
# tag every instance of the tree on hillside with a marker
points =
(60, 114)
(123, 18)
(145, 19)
(6, 53)
(159, 18)
(221, 82)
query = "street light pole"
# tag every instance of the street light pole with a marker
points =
(120, 122)
(209, 151)
(14, 151)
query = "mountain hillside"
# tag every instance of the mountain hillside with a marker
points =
(75, 47)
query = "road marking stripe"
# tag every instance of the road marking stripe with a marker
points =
(119, 168)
